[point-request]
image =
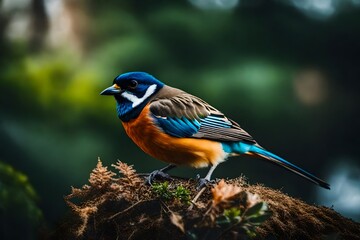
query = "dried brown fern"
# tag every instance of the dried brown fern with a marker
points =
(95, 194)
(105, 187)
(130, 182)
(100, 176)
(129, 174)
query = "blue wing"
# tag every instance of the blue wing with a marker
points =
(184, 127)
(178, 127)
(185, 115)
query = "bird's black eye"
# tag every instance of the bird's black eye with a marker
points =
(133, 84)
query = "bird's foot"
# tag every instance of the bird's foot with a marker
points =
(203, 182)
(157, 174)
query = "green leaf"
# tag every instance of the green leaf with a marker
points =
(191, 235)
(257, 220)
(223, 220)
(257, 209)
(232, 212)
(249, 230)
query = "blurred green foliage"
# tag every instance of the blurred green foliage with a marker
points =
(49, 84)
(18, 205)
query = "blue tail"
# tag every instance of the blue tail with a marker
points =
(251, 149)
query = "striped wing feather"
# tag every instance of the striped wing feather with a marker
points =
(183, 115)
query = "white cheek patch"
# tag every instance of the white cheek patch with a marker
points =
(137, 101)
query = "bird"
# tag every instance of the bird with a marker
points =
(181, 129)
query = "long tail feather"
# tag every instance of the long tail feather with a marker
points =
(289, 166)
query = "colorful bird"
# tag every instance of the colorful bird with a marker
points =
(183, 130)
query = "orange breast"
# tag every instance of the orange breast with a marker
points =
(179, 151)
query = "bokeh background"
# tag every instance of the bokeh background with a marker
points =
(287, 70)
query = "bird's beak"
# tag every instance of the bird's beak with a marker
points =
(113, 90)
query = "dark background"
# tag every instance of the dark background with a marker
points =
(287, 70)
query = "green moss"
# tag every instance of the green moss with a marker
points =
(166, 192)
(182, 194)
(162, 190)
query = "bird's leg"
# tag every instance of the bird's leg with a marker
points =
(202, 182)
(161, 173)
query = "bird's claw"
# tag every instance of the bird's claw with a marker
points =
(157, 174)
(203, 182)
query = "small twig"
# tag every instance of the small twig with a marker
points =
(196, 198)
(127, 209)
(208, 210)
(132, 234)
(164, 205)
(198, 195)
(192, 205)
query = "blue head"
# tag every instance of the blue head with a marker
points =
(132, 91)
